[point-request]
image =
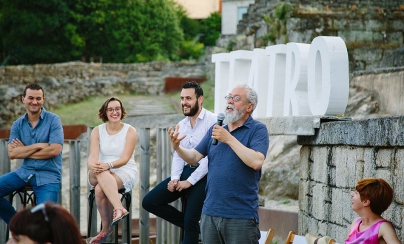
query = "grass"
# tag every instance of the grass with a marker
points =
(86, 112)
(286, 201)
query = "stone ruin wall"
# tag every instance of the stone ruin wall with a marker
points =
(72, 82)
(372, 30)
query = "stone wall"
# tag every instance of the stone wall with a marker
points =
(389, 85)
(372, 30)
(72, 82)
(335, 158)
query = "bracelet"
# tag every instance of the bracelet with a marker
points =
(110, 165)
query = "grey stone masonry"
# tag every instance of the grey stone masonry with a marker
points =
(381, 132)
(335, 158)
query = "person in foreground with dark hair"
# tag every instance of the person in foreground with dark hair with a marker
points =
(370, 198)
(36, 138)
(111, 164)
(230, 210)
(46, 223)
(186, 180)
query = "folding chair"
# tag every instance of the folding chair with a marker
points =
(270, 236)
(295, 239)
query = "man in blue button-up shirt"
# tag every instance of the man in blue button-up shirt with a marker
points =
(37, 139)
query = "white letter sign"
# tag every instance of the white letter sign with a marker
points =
(294, 79)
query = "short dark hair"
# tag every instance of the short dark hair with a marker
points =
(196, 86)
(33, 86)
(60, 227)
(102, 112)
(377, 191)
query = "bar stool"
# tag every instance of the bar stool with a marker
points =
(27, 196)
(127, 197)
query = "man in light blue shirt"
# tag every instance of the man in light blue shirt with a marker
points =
(37, 139)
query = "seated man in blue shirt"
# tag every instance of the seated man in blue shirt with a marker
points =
(37, 139)
(230, 210)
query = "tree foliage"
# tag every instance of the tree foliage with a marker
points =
(211, 29)
(114, 31)
(33, 31)
(122, 31)
(198, 34)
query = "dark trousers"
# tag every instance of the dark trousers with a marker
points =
(157, 202)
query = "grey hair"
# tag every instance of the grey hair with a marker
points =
(252, 96)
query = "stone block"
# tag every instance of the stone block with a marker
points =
(374, 25)
(321, 199)
(353, 36)
(395, 37)
(339, 233)
(378, 37)
(399, 232)
(341, 206)
(338, 23)
(346, 165)
(312, 225)
(322, 228)
(303, 220)
(303, 36)
(375, 132)
(290, 125)
(384, 158)
(369, 54)
(319, 169)
(293, 24)
(384, 174)
(369, 163)
(398, 180)
(304, 162)
(397, 25)
(391, 214)
(305, 196)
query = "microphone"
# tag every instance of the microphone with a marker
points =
(220, 118)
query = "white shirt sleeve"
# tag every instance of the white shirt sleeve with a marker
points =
(193, 136)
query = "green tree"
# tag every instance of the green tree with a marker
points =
(33, 31)
(211, 29)
(128, 31)
(49, 31)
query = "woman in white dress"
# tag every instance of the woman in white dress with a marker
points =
(111, 164)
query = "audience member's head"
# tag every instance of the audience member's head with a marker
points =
(47, 223)
(377, 191)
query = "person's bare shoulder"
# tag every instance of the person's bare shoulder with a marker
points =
(388, 234)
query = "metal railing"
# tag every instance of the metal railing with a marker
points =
(165, 232)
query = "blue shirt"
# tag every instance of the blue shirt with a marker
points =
(232, 186)
(48, 129)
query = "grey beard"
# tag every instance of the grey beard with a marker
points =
(233, 117)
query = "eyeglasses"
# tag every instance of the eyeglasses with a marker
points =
(40, 207)
(235, 98)
(111, 110)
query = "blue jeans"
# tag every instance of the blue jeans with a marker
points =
(229, 231)
(158, 199)
(10, 182)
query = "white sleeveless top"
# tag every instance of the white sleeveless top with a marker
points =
(111, 148)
